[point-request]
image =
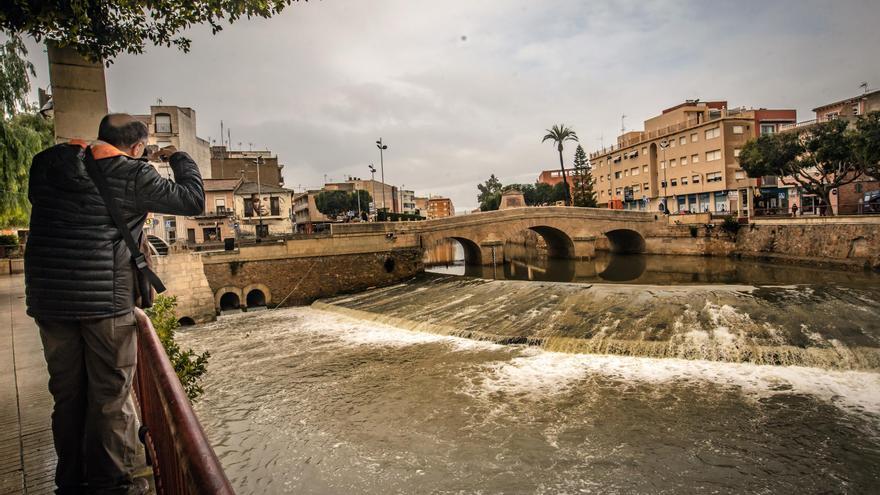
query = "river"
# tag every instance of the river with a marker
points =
(308, 400)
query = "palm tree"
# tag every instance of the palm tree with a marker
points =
(559, 134)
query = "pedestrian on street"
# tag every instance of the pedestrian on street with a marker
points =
(82, 284)
(794, 210)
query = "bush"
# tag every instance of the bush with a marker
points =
(730, 225)
(9, 240)
(189, 366)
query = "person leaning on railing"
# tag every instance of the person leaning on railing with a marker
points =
(81, 288)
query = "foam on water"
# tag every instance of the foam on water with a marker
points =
(540, 372)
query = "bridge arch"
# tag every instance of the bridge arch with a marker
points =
(625, 241)
(227, 298)
(559, 243)
(472, 253)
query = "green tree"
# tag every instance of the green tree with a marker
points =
(868, 143)
(190, 367)
(544, 194)
(560, 134)
(820, 158)
(490, 194)
(21, 137)
(15, 72)
(333, 203)
(100, 29)
(582, 180)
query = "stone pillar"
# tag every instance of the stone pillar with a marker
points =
(490, 248)
(79, 94)
(184, 276)
(584, 248)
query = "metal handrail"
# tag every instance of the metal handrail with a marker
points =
(182, 458)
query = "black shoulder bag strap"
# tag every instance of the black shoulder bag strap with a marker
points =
(140, 261)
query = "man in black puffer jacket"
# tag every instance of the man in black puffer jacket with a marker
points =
(80, 286)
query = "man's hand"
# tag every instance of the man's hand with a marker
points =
(162, 154)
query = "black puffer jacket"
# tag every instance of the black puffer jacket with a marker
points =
(76, 264)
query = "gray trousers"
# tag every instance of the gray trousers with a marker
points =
(91, 367)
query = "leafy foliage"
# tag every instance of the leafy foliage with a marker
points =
(335, 203)
(583, 193)
(100, 30)
(868, 143)
(15, 70)
(560, 134)
(190, 367)
(490, 194)
(21, 137)
(820, 158)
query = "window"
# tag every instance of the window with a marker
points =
(831, 115)
(713, 133)
(601, 178)
(163, 123)
(672, 143)
(644, 169)
(274, 206)
(739, 175)
(736, 152)
(713, 177)
(855, 108)
(636, 189)
(737, 129)
(768, 129)
(683, 160)
(682, 140)
(695, 179)
(695, 158)
(694, 137)
(626, 173)
(662, 165)
(635, 171)
(645, 185)
(713, 155)
(672, 163)
(684, 181)
(220, 205)
(673, 183)
(644, 150)
(248, 207)
(617, 191)
(616, 175)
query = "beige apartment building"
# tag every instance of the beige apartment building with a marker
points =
(384, 195)
(307, 218)
(176, 126)
(686, 160)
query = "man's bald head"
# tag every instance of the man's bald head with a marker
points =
(122, 130)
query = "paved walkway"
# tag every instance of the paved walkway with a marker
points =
(27, 457)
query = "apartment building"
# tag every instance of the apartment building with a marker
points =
(237, 164)
(439, 207)
(685, 160)
(217, 222)
(849, 108)
(176, 126)
(407, 201)
(306, 216)
(384, 195)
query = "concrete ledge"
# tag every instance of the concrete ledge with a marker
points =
(833, 220)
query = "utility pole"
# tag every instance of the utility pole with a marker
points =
(382, 148)
(373, 183)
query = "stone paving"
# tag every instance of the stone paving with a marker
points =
(27, 457)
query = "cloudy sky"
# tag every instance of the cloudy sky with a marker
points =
(462, 89)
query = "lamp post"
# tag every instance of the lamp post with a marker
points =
(259, 163)
(664, 143)
(702, 186)
(382, 148)
(373, 183)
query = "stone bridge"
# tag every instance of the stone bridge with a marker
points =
(568, 232)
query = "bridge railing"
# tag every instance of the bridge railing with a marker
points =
(182, 459)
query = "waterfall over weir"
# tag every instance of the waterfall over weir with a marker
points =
(826, 326)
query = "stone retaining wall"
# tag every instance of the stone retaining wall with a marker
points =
(845, 245)
(184, 276)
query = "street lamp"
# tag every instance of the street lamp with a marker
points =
(382, 148)
(259, 163)
(373, 183)
(664, 143)
(702, 186)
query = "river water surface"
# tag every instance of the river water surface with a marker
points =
(304, 400)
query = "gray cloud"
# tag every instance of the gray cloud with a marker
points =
(462, 89)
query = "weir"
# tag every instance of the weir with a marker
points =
(781, 325)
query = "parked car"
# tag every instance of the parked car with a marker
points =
(871, 202)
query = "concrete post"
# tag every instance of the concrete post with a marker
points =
(584, 248)
(492, 251)
(79, 94)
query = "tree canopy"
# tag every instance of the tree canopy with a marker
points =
(490, 194)
(15, 72)
(537, 194)
(559, 134)
(101, 30)
(335, 203)
(820, 158)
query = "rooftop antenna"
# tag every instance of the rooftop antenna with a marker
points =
(864, 86)
(602, 141)
(221, 134)
(622, 126)
(250, 146)
(158, 101)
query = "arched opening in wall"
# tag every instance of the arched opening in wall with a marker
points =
(452, 256)
(389, 265)
(625, 241)
(539, 253)
(255, 299)
(471, 251)
(230, 302)
(186, 321)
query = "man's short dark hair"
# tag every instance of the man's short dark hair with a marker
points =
(122, 130)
